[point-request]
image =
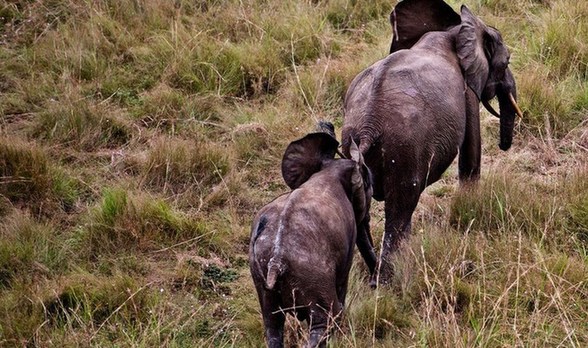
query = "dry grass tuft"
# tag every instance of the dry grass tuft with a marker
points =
(177, 165)
(24, 172)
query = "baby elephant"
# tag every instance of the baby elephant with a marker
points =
(302, 242)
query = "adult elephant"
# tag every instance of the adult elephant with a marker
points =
(415, 110)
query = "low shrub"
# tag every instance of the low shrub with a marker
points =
(20, 316)
(562, 43)
(504, 204)
(121, 223)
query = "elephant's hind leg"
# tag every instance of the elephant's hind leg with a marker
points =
(273, 320)
(399, 207)
(321, 320)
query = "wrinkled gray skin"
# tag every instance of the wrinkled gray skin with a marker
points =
(302, 243)
(414, 111)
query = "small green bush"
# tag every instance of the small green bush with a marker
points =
(381, 319)
(209, 67)
(20, 318)
(514, 7)
(349, 15)
(29, 181)
(124, 85)
(206, 108)
(163, 108)
(264, 70)
(562, 43)
(541, 100)
(173, 111)
(121, 223)
(576, 209)
(66, 189)
(250, 140)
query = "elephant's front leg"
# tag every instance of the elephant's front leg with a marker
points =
(471, 148)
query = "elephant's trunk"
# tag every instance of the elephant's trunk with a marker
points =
(506, 93)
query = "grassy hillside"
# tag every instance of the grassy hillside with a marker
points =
(138, 139)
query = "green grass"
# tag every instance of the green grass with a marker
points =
(121, 223)
(138, 140)
(29, 249)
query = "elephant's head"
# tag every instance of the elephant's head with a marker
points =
(314, 153)
(481, 52)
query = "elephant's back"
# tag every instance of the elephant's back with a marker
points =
(415, 110)
(317, 244)
(418, 95)
(408, 90)
(416, 76)
(321, 220)
(306, 225)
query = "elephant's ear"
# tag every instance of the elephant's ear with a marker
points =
(470, 51)
(304, 157)
(412, 19)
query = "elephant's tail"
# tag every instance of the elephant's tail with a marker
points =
(276, 265)
(275, 269)
(364, 146)
(364, 140)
